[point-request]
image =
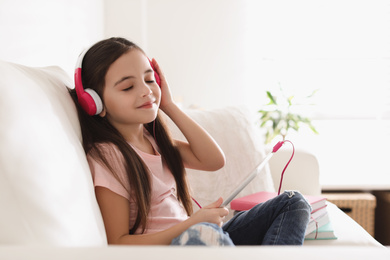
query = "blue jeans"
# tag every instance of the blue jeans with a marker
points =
(278, 221)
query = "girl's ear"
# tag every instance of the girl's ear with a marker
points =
(103, 113)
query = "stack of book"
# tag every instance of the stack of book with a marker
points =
(319, 226)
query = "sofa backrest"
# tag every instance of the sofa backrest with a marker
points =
(46, 194)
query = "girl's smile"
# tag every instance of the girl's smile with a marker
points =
(148, 104)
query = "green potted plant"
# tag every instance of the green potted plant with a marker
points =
(278, 116)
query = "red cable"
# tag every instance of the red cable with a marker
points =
(197, 203)
(292, 155)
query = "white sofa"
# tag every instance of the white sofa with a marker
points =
(47, 201)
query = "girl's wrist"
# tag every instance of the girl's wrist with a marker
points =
(169, 108)
(193, 220)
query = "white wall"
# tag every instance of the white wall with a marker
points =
(127, 19)
(202, 45)
(49, 32)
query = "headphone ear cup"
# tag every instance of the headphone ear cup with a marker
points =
(88, 99)
(156, 76)
(91, 102)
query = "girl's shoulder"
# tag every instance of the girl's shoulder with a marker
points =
(106, 153)
(107, 169)
(105, 147)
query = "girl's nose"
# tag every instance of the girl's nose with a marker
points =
(146, 91)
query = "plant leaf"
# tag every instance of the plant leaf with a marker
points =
(271, 98)
(289, 100)
(313, 93)
(313, 128)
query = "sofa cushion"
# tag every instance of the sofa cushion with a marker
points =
(243, 146)
(46, 191)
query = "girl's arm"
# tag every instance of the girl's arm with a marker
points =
(115, 211)
(200, 151)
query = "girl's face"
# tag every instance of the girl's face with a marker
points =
(131, 95)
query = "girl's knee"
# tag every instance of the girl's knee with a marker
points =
(298, 200)
(205, 234)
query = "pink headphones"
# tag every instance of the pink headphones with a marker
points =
(88, 99)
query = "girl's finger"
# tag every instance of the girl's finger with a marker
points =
(215, 204)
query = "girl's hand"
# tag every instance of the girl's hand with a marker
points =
(211, 213)
(166, 96)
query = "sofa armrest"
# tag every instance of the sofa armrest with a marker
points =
(302, 174)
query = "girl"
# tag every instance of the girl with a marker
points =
(139, 171)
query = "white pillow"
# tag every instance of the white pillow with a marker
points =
(233, 130)
(46, 191)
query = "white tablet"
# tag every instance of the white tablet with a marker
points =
(248, 179)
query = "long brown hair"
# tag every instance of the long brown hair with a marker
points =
(97, 131)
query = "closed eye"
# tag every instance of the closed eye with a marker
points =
(127, 89)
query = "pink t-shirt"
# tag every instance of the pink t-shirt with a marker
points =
(166, 211)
